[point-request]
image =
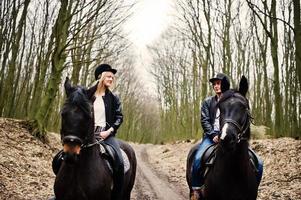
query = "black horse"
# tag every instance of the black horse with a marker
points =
(232, 175)
(84, 173)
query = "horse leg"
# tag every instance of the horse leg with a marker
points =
(126, 195)
(129, 183)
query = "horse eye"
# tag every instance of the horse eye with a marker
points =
(63, 114)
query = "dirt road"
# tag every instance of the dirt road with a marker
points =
(150, 184)
(25, 167)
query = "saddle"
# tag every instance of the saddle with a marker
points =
(106, 151)
(254, 160)
(109, 154)
(208, 159)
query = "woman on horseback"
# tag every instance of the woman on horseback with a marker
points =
(108, 117)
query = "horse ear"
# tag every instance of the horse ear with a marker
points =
(225, 85)
(243, 86)
(90, 91)
(68, 87)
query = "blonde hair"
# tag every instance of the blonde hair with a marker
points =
(101, 78)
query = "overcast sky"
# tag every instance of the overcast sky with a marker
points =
(149, 20)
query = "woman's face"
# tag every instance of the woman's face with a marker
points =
(108, 79)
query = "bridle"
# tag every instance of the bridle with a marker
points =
(71, 136)
(241, 136)
(83, 142)
(242, 129)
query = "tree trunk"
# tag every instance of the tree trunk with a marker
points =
(58, 58)
(297, 24)
(10, 81)
(274, 52)
(43, 63)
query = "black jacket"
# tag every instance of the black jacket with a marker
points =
(208, 112)
(113, 109)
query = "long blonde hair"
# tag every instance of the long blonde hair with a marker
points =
(102, 77)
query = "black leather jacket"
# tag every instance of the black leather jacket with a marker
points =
(113, 109)
(208, 112)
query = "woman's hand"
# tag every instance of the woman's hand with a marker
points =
(105, 134)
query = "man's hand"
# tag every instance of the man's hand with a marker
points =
(216, 139)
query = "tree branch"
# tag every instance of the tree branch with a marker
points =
(252, 6)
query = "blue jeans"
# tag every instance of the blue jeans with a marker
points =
(197, 179)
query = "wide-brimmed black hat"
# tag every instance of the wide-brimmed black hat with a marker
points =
(103, 68)
(219, 76)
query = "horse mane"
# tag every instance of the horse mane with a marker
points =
(234, 93)
(79, 98)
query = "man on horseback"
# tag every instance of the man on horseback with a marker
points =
(211, 127)
(210, 121)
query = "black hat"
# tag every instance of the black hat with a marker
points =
(219, 76)
(103, 68)
(225, 85)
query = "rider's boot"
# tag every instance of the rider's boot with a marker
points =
(196, 194)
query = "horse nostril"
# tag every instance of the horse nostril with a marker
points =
(233, 138)
(232, 142)
(75, 149)
(229, 140)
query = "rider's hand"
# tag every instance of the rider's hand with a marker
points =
(105, 134)
(215, 139)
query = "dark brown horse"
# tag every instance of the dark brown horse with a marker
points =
(84, 173)
(232, 176)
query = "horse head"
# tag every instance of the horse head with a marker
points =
(234, 116)
(77, 119)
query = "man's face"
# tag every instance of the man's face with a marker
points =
(217, 86)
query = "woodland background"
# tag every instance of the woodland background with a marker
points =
(42, 42)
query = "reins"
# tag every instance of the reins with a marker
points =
(242, 132)
(98, 141)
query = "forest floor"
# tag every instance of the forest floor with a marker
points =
(25, 167)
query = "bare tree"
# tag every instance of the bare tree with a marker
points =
(42, 41)
(297, 32)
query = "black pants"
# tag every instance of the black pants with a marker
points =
(118, 165)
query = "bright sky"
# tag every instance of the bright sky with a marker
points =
(149, 20)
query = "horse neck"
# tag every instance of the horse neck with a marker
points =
(90, 151)
(237, 161)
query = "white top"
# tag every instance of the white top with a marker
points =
(99, 112)
(216, 125)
